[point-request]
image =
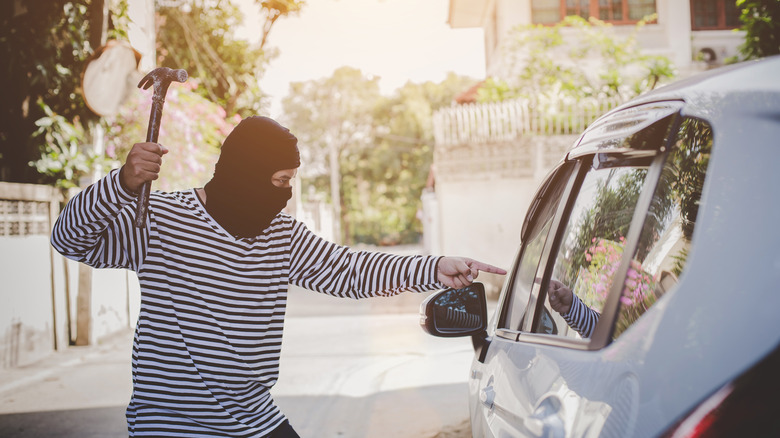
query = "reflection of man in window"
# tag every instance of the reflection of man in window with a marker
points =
(580, 317)
(664, 241)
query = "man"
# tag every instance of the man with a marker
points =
(214, 265)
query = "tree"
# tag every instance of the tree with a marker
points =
(761, 23)
(273, 10)
(44, 45)
(332, 118)
(394, 171)
(576, 60)
(197, 36)
(373, 152)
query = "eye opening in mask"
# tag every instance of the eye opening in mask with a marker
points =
(282, 178)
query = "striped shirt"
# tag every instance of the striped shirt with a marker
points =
(209, 332)
(581, 318)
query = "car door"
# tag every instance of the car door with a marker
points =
(608, 224)
(496, 404)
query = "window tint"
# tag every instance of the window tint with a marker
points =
(535, 237)
(666, 234)
(591, 245)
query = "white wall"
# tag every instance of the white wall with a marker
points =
(26, 313)
(482, 202)
(46, 301)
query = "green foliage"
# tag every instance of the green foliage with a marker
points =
(496, 90)
(64, 160)
(761, 23)
(199, 38)
(384, 145)
(396, 167)
(44, 44)
(275, 9)
(575, 60)
(332, 119)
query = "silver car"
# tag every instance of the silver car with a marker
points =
(645, 296)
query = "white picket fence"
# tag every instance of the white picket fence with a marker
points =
(502, 121)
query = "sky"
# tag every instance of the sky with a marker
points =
(397, 40)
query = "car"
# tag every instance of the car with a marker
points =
(643, 300)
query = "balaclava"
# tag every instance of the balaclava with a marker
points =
(241, 196)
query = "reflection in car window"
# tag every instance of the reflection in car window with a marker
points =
(666, 234)
(592, 246)
(533, 244)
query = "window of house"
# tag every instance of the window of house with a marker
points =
(665, 239)
(546, 11)
(714, 14)
(613, 11)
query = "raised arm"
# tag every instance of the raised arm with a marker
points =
(96, 227)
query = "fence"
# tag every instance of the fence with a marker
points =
(508, 120)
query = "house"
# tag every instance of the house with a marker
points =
(689, 32)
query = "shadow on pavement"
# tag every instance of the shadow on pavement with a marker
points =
(381, 415)
(108, 422)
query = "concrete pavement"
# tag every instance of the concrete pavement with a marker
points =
(349, 369)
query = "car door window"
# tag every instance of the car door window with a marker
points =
(665, 240)
(541, 214)
(591, 244)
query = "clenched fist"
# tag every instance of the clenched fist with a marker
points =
(560, 297)
(142, 165)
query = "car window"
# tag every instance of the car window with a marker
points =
(542, 212)
(591, 244)
(665, 240)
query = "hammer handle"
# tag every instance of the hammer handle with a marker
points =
(142, 205)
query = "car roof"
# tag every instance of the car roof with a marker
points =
(746, 90)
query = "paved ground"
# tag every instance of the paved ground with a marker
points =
(349, 369)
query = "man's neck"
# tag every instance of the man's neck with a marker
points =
(201, 194)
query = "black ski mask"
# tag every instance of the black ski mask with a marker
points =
(241, 196)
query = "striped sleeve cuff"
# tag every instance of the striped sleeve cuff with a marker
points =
(117, 190)
(581, 318)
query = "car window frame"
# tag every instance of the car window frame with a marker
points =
(602, 334)
(530, 218)
(640, 212)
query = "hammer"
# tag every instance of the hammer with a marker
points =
(160, 77)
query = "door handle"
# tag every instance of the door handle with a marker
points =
(545, 421)
(487, 396)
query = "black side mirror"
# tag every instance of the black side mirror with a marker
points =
(455, 312)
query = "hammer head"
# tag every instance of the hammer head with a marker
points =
(161, 77)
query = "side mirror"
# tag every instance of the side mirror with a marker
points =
(455, 312)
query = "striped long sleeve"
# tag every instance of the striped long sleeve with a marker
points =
(581, 318)
(209, 333)
(325, 267)
(96, 227)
